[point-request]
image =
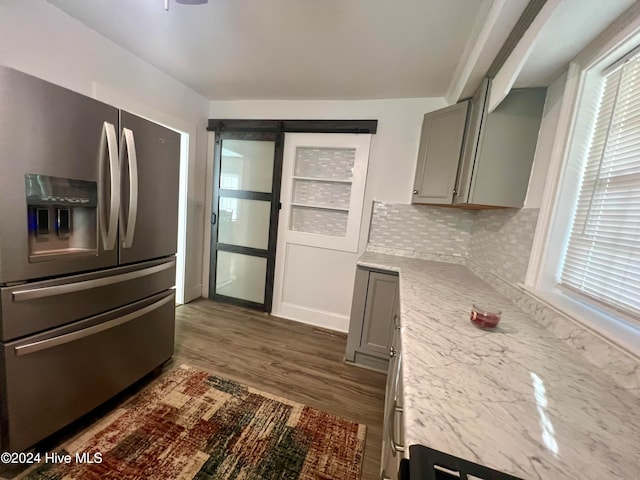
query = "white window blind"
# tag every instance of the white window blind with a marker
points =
(602, 260)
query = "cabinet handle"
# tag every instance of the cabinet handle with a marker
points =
(396, 321)
(415, 192)
(395, 447)
(455, 192)
(392, 352)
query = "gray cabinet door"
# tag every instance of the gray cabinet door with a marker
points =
(506, 150)
(380, 309)
(439, 154)
(499, 148)
(473, 137)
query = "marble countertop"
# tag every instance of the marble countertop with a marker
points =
(516, 399)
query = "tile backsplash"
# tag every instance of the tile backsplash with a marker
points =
(502, 241)
(419, 231)
(498, 240)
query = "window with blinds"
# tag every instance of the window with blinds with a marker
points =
(602, 259)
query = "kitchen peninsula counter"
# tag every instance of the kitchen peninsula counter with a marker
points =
(516, 399)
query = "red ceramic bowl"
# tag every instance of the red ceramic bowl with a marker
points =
(485, 318)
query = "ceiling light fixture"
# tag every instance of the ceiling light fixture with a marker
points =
(185, 2)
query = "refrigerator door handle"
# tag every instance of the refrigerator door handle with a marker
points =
(86, 332)
(128, 225)
(109, 226)
(44, 292)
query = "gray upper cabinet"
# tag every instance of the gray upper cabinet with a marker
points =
(495, 152)
(497, 159)
(439, 154)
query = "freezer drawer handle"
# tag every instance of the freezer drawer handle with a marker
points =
(35, 293)
(128, 225)
(86, 332)
(109, 228)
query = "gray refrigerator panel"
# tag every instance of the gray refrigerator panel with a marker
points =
(35, 307)
(54, 378)
(48, 130)
(149, 206)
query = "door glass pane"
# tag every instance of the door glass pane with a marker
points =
(330, 163)
(241, 276)
(244, 222)
(321, 193)
(247, 165)
(320, 221)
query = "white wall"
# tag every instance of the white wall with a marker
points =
(394, 148)
(41, 40)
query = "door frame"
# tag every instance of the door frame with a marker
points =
(273, 197)
(215, 128)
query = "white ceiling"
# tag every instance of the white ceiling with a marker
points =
(572, 26)
(335, 49)
(292, 49)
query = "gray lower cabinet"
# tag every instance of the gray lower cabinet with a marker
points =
(375, 305)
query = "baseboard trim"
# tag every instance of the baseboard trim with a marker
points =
(311, 316)
(191, 293)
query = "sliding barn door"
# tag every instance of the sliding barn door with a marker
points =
(323, 182)
(245, 217)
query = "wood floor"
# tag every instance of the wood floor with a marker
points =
(284, 358)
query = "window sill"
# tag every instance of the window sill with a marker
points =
(616, 330)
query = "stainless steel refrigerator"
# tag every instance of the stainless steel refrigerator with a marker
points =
(88, 234)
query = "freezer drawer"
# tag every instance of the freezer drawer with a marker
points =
(54, 378)
(35, 307)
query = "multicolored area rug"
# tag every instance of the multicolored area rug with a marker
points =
(193, 425)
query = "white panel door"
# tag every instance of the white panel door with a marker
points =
(323, 183)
